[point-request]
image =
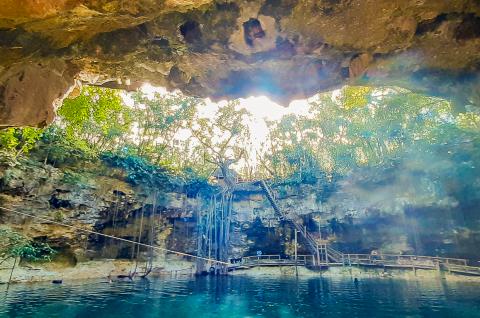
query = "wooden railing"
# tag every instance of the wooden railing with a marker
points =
(462, 269)
(454, 265)
(323, 254)
(335, 255)
(261, 258)
(266, 260)
(396, 260)
(320, 250)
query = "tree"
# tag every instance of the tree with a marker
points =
(57, 149)
(19, 141)
(355, 127)
(223, 139)
(159, 120)
(96, 121)
(14, 244)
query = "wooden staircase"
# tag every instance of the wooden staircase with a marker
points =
(336, 256)
(324, 255)
(319, 249)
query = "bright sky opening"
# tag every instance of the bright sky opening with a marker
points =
(261, 109)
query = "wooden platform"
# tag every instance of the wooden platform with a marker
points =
(463, 270)
(324, 256)
(406, 262)
(266, 261)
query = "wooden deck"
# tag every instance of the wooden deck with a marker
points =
(324, 256)
(452, 265)
(271, 261)
(463, 269)
(407, 262)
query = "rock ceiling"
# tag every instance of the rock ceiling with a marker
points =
(285, 49)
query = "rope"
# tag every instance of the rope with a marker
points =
(111, 236)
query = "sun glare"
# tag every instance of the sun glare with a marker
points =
(261, 108)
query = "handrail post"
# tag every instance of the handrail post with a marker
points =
(296, 268)
(326, 253)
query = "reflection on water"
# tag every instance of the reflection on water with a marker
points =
(236, 296)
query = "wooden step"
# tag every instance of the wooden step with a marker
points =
(312, 245)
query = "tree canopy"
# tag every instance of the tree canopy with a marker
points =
(344, 130)
(95, 121)
(361, 127)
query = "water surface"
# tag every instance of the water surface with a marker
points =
(237, 296)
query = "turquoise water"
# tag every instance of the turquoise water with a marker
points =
(236, 296)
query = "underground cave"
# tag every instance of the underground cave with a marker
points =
(233, 158)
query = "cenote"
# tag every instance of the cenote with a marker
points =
(234, 158)
(244, 297)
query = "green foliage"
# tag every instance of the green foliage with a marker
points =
(226, 134)
(363, 127)
(163, 140)
(153, 139)
(74, 178)
(355, 96)
(95, 121)
(58, 149)
(223, 139)
(14, 244)
(194, 183)
(160, 139)
(469, 121)
(159, 120)
(139, 170)
(19, 141)
(59, 216)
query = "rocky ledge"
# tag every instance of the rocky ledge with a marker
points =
(285, 49)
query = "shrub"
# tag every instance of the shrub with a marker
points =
(14, 244)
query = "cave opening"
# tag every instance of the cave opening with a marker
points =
(387, 141)
(359, 174)
(146, 144)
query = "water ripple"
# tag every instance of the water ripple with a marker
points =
(243, 297)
